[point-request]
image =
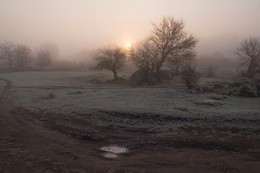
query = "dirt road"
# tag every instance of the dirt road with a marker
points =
(28, 144)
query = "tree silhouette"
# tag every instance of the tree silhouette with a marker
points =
(112, 59)
(249, 53)
(168, 41)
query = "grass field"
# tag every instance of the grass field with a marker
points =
(72, 93)
(2, 84)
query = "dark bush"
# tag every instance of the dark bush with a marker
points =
(165, 74)
(190, 76)
(242, 87)
(143, 76)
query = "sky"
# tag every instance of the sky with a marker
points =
(76, 25)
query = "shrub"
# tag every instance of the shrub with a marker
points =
(143, 76)
(190, 76)
(242, 87)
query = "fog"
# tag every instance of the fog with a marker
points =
(74, 26)
(141, 86)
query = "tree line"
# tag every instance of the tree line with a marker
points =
(20, 57)
(168, 45)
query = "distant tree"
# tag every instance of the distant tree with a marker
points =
(22, 56)
(249, 53)
(112, 59)
(43, 59)
(210, 71)
(176, 63)
(45, 56)
(167, 42)
(190, 76)
(51, 48)
(7, 53)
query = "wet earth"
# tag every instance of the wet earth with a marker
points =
(123, 142)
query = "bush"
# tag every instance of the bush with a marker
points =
(241, 74)
(242, 87)
(203, 89)
(139, 77)
(190, 76)
(258, 86)
(143, 76)
(164, 74)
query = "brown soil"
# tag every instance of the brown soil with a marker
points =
(31, 142)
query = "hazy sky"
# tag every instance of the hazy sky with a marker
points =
(86, 24)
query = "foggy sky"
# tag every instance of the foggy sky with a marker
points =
(74, 25)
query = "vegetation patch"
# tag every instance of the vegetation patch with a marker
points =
(209, 103)
(242, 87)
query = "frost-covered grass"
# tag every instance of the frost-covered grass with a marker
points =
(74, 93)
(2, 85)
(29, 79)
(154, 100)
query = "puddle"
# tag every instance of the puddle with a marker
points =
(112, 152)
(114, 149)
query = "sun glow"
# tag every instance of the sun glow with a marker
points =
(128, 44)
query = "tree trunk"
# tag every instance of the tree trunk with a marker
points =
(10, 66)
(160, 64)
(251, 70)
(115, 75)
(10, 62)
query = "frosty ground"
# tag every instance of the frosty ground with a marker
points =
(153, 122)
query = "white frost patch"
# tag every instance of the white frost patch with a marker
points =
(114, 149)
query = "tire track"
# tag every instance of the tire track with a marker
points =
(5, 92)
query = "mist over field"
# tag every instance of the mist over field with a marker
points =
(75, 26)
(129, 86)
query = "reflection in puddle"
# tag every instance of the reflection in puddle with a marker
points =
(110, 155)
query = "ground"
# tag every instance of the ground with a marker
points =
(57, 121)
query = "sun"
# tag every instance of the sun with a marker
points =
(128, 44)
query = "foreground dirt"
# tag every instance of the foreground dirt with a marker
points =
(31, 142)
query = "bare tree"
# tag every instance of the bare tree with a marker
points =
(249, 53)
(43, 59)
(51, 48)
(22, 56)
(167, 42)
(145, 56)
(112, 59)
(45, 56)
(7, 53)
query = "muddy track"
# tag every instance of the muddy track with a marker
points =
(119, 132)
(30, 145)
(4, 93)
(27, 146)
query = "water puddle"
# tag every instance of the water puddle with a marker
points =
(112, 152)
